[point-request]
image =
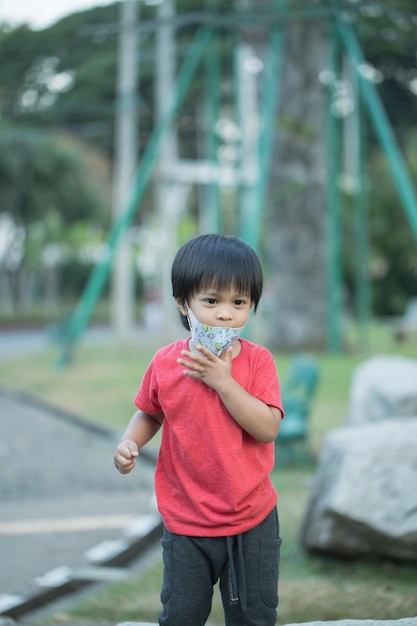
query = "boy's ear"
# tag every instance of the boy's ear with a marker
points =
(182, 307)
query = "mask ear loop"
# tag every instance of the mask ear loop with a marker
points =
(187, 316)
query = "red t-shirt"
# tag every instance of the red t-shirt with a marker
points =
(212, 477)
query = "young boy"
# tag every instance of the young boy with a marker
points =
(218, 399)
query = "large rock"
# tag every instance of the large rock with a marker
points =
(364, 497)
(383, 387)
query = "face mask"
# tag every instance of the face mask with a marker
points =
(214, 338)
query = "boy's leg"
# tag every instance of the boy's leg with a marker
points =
(258, 565)
(191, 567)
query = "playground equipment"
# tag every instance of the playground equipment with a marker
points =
(298, 392)
(251, 173)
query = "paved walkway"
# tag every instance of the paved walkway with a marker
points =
(24, 341)
(63, 506)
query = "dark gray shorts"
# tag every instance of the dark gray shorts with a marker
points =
(246, 565)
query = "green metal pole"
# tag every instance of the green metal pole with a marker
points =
(249, 167)
(99, 275)
(361, 234)
(334, 271)
(382, 126)
(212, 201)
(270, 92)
(256, 198)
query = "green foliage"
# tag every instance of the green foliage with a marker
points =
(82, 97)
(392, 268)
(83, 45)
(43, 176)
(388, 34)
(52, 194)
(393, 245)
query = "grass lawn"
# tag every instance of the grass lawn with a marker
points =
(100, 385)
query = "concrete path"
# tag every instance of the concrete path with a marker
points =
(64, 509)
(25, 341)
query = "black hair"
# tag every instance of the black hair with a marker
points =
(219, 261)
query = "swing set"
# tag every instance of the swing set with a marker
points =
(251, 175)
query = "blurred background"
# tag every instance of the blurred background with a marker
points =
(129, 127)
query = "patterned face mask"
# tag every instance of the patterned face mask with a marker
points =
(214, 338)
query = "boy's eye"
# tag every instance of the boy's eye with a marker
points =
(211, 300)
(240, 302)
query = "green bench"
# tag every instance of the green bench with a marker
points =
(298, 391)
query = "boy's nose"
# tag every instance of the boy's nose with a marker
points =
(224, 315)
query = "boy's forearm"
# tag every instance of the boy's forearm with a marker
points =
(257, 418)
(142, 427)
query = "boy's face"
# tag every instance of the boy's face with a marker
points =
(219, 308)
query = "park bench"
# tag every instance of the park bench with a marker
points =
(298, 391)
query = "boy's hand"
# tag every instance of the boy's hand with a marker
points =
(209, 368)
(125, 456)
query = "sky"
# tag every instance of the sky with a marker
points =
(42, 13)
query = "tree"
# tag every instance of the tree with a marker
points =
(393, 254)
(295, 236)
(45, 196)
(295, 226)
(64, 77)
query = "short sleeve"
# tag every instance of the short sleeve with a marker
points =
(265, 381)
(146, 398)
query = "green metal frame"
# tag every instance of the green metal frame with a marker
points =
(382, 126)
(369, 97)
(212, 107)
(254, 203)
(334, 257)
(363, 300)
(75, 326)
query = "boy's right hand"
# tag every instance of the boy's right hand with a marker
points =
(125, 456)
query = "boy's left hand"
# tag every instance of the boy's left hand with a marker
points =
(209, 368)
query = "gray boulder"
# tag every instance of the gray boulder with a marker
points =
(364, 496)
(383, 387)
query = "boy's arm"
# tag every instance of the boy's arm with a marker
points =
(141, 428)
(258, 419)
